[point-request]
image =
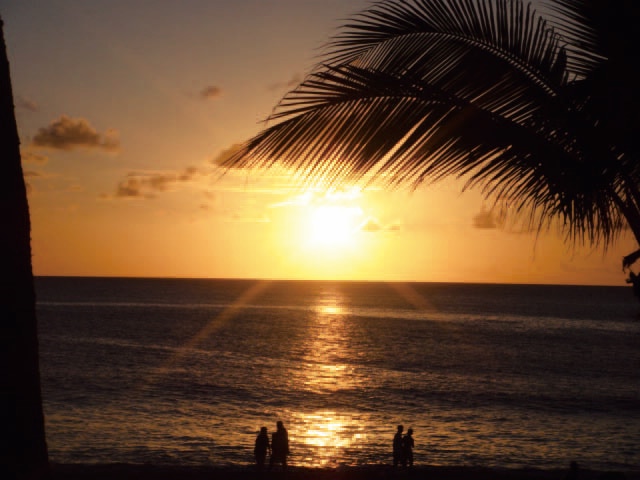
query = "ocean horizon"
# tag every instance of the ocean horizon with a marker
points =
(622, 283)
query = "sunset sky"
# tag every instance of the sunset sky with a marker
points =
(124, 106)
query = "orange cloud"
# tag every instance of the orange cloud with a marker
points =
(29, 174)
(68, 133)
(211, 92)
(486, 219)
(29, 156)
(373, 225)
(147, 185)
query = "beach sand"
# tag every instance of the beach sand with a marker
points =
(152, 472)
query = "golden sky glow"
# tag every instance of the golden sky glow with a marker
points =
(123, 113)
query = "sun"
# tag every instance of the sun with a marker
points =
(332, 226)
(327, 235)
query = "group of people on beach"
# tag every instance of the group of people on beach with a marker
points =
(277, 447)
(403, 447)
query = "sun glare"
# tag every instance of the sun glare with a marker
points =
(332, 226)
(326, 235)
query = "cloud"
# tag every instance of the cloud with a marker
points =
(28, 185)
(29, 156)
(137, 185)
(211, 92)
(373, 225)
(130, 187)
(68, 133)
(27, 104)
(486, 219)
(293, 82)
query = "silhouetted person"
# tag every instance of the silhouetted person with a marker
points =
(261, 448)
(279, 446)
(634, 280)
(407, 449)
(572, 474)
(397, 446)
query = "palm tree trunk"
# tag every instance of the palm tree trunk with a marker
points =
(23, 449)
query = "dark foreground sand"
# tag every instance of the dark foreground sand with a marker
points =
(151, 472)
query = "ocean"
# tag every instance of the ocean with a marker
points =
(185, 372)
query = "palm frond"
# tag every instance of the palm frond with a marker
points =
(507, 29)
(596, 31)
(415, 91)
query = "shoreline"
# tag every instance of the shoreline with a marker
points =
(170, 472)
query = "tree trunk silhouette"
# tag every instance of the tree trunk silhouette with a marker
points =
(23, 449)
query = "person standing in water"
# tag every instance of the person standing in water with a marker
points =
(397, 446)
(573, 473)
(407, 449)
(261, 448)
(279, 446)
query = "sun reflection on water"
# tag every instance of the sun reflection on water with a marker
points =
(328, 346)
(324, 436)
(329, 309)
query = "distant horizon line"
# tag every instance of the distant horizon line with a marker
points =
(310, 280)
